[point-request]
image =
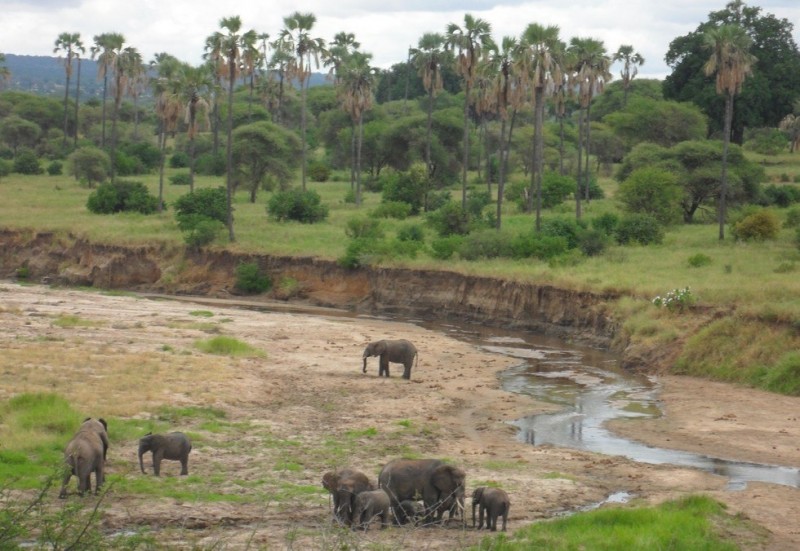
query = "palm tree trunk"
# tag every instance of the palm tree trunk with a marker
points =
(136, 117)
(538, 143)
(114, 117)
(353, 157)
(358, 157)
(428, 132)
(66, 98)
(465, 156)
(162, 145)
(579, 187)
(77, 99)
(561, 144)
(229, 151)
(103, 116)
(726, 139)
(501, 180)
(304, 90)
(587, 173)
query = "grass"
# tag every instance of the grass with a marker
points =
(695, 522)
(228, 346)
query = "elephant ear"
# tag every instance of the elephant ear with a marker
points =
(477, 495)
(444, 479)
(330, 480)
(103, 422)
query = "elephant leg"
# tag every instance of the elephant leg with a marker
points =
(185, 465)
(99, 477)
(67, 475)
(157, 456)
(407, 370)
(384, 366)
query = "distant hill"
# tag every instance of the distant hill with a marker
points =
(45, 75)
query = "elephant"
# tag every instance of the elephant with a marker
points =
(368, 505)
(409, 512)
(494, 502)
(399, 352)
(86, 454)
(174, 446)
(440, 485)
(344, 485)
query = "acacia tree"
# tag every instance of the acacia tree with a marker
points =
(469, 43)
(71, 45)
(296, 36)
(732, 62)
(631, 60)
(263, 150)
(105, 48)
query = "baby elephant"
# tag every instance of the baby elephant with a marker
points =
(398, 352)
(174, 445)
(86, 454)
(409, 512)
(494, 502)
(371, 504)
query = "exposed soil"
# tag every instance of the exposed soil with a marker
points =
(124, 357)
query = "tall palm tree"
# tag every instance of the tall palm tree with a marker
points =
(541, 65)
(428, 57)
(105, 49)
(282, 56)
(251, 58)
(506, 93)
(732, 62)
(356, 81)
(591, 66)
(167, 106)
(631, 60)
(127, 64)
(77, 94)
(469, 43)
(340, 49)
(197, 83)
(296, 35)
(216, 61)
(71, 45)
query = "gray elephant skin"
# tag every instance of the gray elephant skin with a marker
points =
(368, 505)
(492, 501)
(440, 485)
(86, 454)
(345, 485)
(174, 446)
(398, 352)
(409, 512)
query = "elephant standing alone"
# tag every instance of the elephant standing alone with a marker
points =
(494, 502)
(440, 485)
(344, 485)
(399, 352)
(174, 446)
(86, 454)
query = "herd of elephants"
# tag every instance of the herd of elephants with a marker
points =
(409, 491)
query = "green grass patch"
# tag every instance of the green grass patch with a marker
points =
(695, 522)
(228, 346)
(68, 320)
(201, 313)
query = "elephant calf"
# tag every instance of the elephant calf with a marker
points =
(86, 454)
(409, 512)
(398, 352)
(174, 446)
(494, 502)
(345, 485)
(368, 505)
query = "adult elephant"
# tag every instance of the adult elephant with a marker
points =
(173, 446)
(86, 454)
(399, 352)
(344, 485)
(441, 486)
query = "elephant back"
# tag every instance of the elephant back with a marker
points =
(404, 479)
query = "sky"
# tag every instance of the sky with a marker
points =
(385, 28)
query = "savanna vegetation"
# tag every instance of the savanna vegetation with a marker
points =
(513, 157)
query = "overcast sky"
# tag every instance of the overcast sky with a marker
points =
(386, 28)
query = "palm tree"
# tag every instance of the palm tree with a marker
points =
(77, 93)
(127, 64)
(469, 42)
(251, 58)
(428, 57)
(197, 82)
(541, 66)
(357, 79)
(296, 35)
(71, 45)
(105, 49)
(5, 74)
(339, 51)
(732, 62)
(166, 93)
(630, 61)
(591, 71)
(216, 61)
(279, 64)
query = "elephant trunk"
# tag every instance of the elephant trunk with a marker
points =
(364, 369)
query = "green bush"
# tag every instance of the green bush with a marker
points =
(450, 219)
(592, 242)
(407, 187)
(699, 260)
(767, 141)
(350, 197)
(127, 165)
(443, 248)
(363, 228)
(180, 179)
(759, 226)
(780, 196)
(392, 209)
(26, 162)
(792, 218)
(209, 203)
(122, 196)
(537, 245)
(606, 223)
(179, 159)
(249, 279)
(55, 168)
(556, 189)
(147, 157)
(319, 172)
(568, 228)
(296, 204)
(485, 244)
(477, 201)
(638, 228)
(5, 167)
(209, 164)
(411, 233)
(89, 164)
(201, 231)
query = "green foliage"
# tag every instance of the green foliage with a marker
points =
(487, 243)
(406, 187)
(677, 300)
(179, 159)
(263, 151)
(413, 232)
(443, 248)
(556, 189)
(5, 167)
(26, 162)
(228, 346)
(143, 156)
(249, 279)
(319, 171)
(477, 201)
(364, 251)
(89, 164)
(638, 228)
(122, 196)
(296, 204)
(784, 377)
(780, 196)
(759, 226)
(592, 242)
(55, 168)
(211, 203)
(665, 123)
(792, 218)
(538, 245)
(209, 164)
(180, 179)
(200, 231)
(363, 228)
(568, 228)
(392, 209)
(449, 219)
(606, 222)
(699, 260)
(766, 141)
(652, 191)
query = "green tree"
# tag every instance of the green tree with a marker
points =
(17, 132)
(790, 124)
(631, 60)
(428, 57)
(5, 74)
(652, 191)
(167, 106)
(197, 86)
(127, 64)
(665, 123)
(105, 49)
(71, 45)
(469, 43)
(732, 62)
(264, 150)
(90, 164)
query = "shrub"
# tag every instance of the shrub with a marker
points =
(122, 196)
(127, 165)
(147, 157)
(180, 179)
(209, 164)
(392, 209)
(476, 201)
(485, 244)
(699, 260)
(767, 141)
(638, 228)
(792, 218)
(759, 226)
(5, 167)
(592, 242)
(443, 248)
(363, 228)
(55, 168)
(537, 245)
(249, 278)
(449, 219)
(201, 231)
(411, 233)
(676, 300)
(89, 164)
(438, 199)
(556, 189)
(179, 159)
(780, 196)
(296, 204)
(26, 162)
(407, 187)
(606, 223)
(319, 172)
(652, 191)
(568, 228)
(208, 203)
(350, 197)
